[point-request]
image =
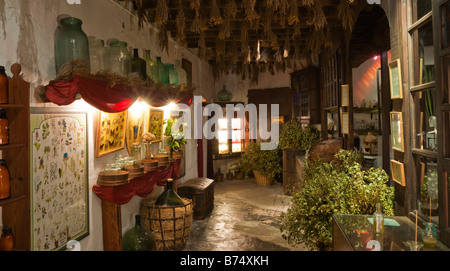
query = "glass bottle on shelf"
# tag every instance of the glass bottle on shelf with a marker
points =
(224, 95)
(182, 75)
(150, 65)
(173, 75)
(4, 128)
(136, 152)
(4, 86)
(7, 239)
(162, 70)
(5, 182)
(119, 59)
(378, 220)
(71, 43)
(147, 149)
(138, 238)
(138, 66)
(97, 54)
(169, 197)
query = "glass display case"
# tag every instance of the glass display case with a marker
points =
(355, 233)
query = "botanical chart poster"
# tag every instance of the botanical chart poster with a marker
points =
(59, 187)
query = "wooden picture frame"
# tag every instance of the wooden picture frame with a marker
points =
(59, 179)
(395, 79)
(111, 133)
(345, 95)
(344, 123)
(398, 172)
(397, 139)
(156, 124)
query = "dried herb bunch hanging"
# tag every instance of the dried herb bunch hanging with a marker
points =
(162, 12)
(293, 12)
(230, 12)
(318, 19)
(345, 14)
(181, 23)
(215, 18)
(251, 15)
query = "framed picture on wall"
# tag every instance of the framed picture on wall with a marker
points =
(398, 172)
(59, 179)
(397, 131)
(111, 132)
(345, 96)
(344, 123)
(395, 78)
(156, 124)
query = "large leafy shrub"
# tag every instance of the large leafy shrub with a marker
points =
(294, 136)
(340, 186)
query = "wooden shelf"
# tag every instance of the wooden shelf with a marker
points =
(11, 200)
(11, 146)
(6, 106)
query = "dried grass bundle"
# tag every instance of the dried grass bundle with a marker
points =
(267, 21)
(318, 19)
(230, 12)
(196, 25)
(297, 31)
(78, 65)
(202, 45)
(195, 5)
(293, 12)
(345, 14)
(309, 3)
(181, 23)
(215, 17)
(251, 15)
(162, 12)
(316, 41)
(282, 12)
(163, 38)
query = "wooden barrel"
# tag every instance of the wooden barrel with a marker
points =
(135, 171)
(150, 165)
(177, 154)
(326, 149)
(163, 160)
(113, 178)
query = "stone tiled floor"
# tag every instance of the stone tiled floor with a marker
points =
(245, 218)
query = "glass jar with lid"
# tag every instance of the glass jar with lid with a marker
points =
(4, 128)
(119, 58)
(5, 182)
(4, 86)
(97, 54)
(7, 239)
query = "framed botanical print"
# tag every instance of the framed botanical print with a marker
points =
(398, 172)
(395, 77)
(156, 124)
(59, 179)
(111, 132)
(397, 131)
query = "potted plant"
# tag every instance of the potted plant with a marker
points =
(295, 141)
(174, 139)
(340, 186)
(241, 167)
(265, 164)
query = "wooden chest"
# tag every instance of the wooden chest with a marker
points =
(201, 191)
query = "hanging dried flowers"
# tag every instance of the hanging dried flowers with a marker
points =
(282, 12)
(196, 24)
(316, 41)
(181, 23)
(162, 12)
(318, 19)
(308, 3)
(297, 31)
(345, 14)
(215, 18)
(251, 15)
(202, 45)
(163, 38)
(195, 5)
(293, 12)
(229, 14)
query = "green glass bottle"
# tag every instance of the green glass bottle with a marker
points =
(138, 66)
(138, 238)
(162, 70)
(71, 43)
(182, 75)
(224, 95)
(169, 197)
(173, 75)
(150, 65)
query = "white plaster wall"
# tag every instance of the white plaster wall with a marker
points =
(27, 31)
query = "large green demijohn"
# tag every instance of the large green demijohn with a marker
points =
(138, 238)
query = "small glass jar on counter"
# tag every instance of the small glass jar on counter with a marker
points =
(4, 128)
(4, 86)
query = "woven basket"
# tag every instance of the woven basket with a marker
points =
(262, 180)
(170, 225)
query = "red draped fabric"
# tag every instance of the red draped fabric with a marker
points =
(111, 99)
(141, 186)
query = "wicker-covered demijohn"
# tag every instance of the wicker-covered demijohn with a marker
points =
(170, 225)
